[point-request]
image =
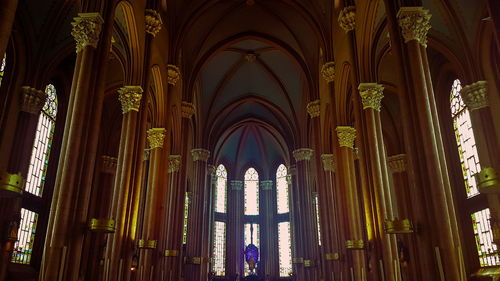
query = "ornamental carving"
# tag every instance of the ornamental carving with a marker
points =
(346, 136)
(32, 100)
(187, 109)
(475, 95)
(347, 18)
(328, 162)
(130, 98)
(174, 163)
(173, 74)
(236, 184)
(397, 163)
(86, 30)
(156, 136)
(328, 71)
(302, 154)
(153, 22)
(314, 108)
(108, 164)
(266, 185)
(414, 23)
(371, 95)
(200, 154)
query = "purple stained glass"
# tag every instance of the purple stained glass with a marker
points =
(251, 251)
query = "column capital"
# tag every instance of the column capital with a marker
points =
(328, 162)
(314, 108)
(236, 184)
(200, 154)
(86, 30)
(32, 100)
(156, 136)
(173, 74)
(153, 22)
(266, 185)
(187, 109)
(347, 18)
(292, 170)
(414, 23)
(174, 163)
(328, 71)
(371, 95)
(108, 164)
(130, 98)
(397, 163)
(475, 95)
(211, 170)
(346, 136)
(302, 154)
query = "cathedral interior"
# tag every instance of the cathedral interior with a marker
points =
(291, 140)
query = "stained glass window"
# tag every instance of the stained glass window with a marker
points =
(285, 249)
(221, 190)
(186, 214)
(219, 249)
(486, 249)
(251, 192)
(282, 190)
(2, 68)
(316, 207)
(23, 248)
(251, 235)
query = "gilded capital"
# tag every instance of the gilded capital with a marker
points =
(173, 74)
(346, 136)
(130, 98)
(153, 22)
(371, 95)
(314, 108)
(414, 23)
(108, 164)
(156, 136)
(328, 71)
(347, 18)
(266, 185)
(328, 162)
(32, 100)
(236, 184)
(200, 154)
(187, 109)
(86, 30)
(174, 163)
(475, 95)
(397, 163)
(302, 154)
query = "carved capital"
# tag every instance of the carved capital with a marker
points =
(314, 108)
(346, 136)
(156, 136)
(328, 162)
(153, 22)
(371, 95)
(475, 95)
(302, 154)
(108, 164)
(328, 71)
(130, 98)
(397, 163)
(347, 18)
(236, 184)
(414, 23)
(32, 100)
(86, 30)
(187, 109)
(173, 74)
(200, 154)
(174, 163)
(266, 185)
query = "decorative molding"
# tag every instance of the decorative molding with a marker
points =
(156, 137)
(109, 164)
(346, 136)
(153, 22)
(211, 169)
(347, 18)
(32, 100)
(187, 109)
(475, 95)
(397, 226)
(266, 185)
(147, 154)
(314, 108)
(302, 154)
(171, 253)
(397, 163)
(174, 163)
(414, 23)
(487, 181)
(328, 162)
(251, 56)
(371, 95)
(86, 30)
(130, 98)
(146, 244)
(355, 244)
(102, 225)
(328, 71)
(236, 184)
(11, 185)
(200, 154)
(173, 74)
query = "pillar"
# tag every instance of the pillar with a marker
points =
(269, 244)
(235, 235)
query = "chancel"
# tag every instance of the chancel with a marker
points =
(239, 140)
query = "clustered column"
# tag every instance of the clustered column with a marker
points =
(235, 203)
(269, 244)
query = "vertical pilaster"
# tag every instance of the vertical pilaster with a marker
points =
(235, 204)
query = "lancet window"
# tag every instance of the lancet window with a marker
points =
(219, 228)
(283, 225)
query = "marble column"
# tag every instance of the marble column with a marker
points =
(235, 235)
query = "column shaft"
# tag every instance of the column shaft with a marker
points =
(235, 237)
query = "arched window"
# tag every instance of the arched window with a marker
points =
(251, 227)
(284, 234)
(35, 180)
(219, 228)
(469, 160)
